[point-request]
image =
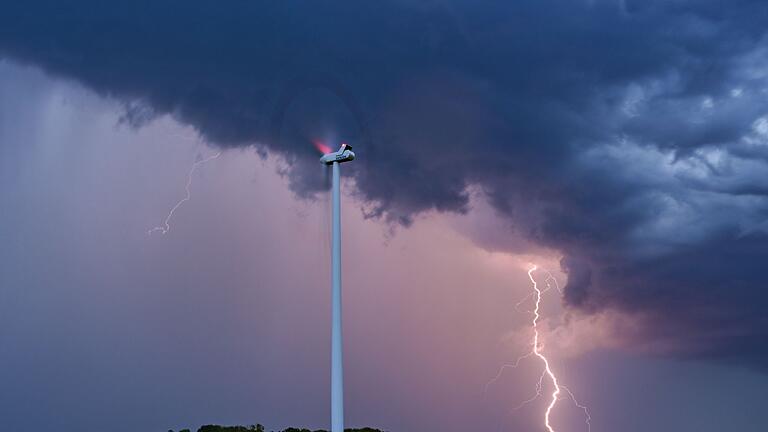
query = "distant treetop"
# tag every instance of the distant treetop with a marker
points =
(260, 428)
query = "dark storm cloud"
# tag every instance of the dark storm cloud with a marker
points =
(630, 135)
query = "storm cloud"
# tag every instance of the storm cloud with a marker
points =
(630, 136)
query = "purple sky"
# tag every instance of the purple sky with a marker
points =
(226, 318)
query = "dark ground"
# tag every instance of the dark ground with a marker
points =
(260, 428)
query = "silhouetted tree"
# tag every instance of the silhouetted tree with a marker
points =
(217, 428)
(260, 428)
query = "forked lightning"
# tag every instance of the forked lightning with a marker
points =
(536, 350)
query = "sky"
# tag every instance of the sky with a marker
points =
(621, 145)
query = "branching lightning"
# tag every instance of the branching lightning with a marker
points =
(163, 229)
(560, 390)
(537, 351)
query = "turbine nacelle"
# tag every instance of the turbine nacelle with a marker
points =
(343, 154)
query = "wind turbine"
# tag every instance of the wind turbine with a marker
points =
(343, 154)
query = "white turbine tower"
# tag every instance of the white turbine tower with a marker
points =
(344, 154)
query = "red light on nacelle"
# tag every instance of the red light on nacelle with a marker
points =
(322, 148)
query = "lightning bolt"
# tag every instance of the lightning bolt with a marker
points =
(163, 229)
(537, 351)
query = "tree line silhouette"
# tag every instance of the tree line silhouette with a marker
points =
(260, 428)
